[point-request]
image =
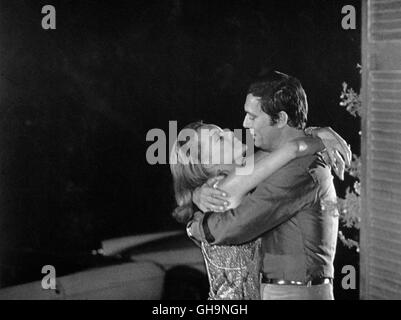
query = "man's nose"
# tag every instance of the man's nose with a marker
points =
(245, 124)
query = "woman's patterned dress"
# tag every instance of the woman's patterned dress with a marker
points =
(233, 271)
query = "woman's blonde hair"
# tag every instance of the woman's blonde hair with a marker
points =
(187, 170)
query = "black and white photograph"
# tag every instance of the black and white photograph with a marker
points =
(202, 150)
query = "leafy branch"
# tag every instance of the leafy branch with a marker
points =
(350, 206)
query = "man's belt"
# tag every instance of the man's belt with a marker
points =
(312, 282)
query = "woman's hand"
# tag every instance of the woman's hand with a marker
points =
(337, 149)
(209, 198)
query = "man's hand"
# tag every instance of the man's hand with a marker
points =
(337, 149)
(209, 198)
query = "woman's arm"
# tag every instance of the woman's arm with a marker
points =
(237, 185)
(208, 198)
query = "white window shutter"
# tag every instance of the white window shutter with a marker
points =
(381, 150)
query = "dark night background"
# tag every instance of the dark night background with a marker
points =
(76, 104)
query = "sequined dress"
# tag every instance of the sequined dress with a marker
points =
(233, 271)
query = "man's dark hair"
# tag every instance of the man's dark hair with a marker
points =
(280, 92)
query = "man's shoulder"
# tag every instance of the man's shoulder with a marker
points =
(320, 170)
(298, 166)
(297, 171)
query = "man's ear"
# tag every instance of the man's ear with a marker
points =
(282, 119)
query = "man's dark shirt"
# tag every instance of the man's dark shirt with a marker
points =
(294, 211)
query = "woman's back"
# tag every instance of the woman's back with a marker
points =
(233, 271)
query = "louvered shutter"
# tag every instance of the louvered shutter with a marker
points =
(381, 150)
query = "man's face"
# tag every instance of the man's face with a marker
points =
(265, 134)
